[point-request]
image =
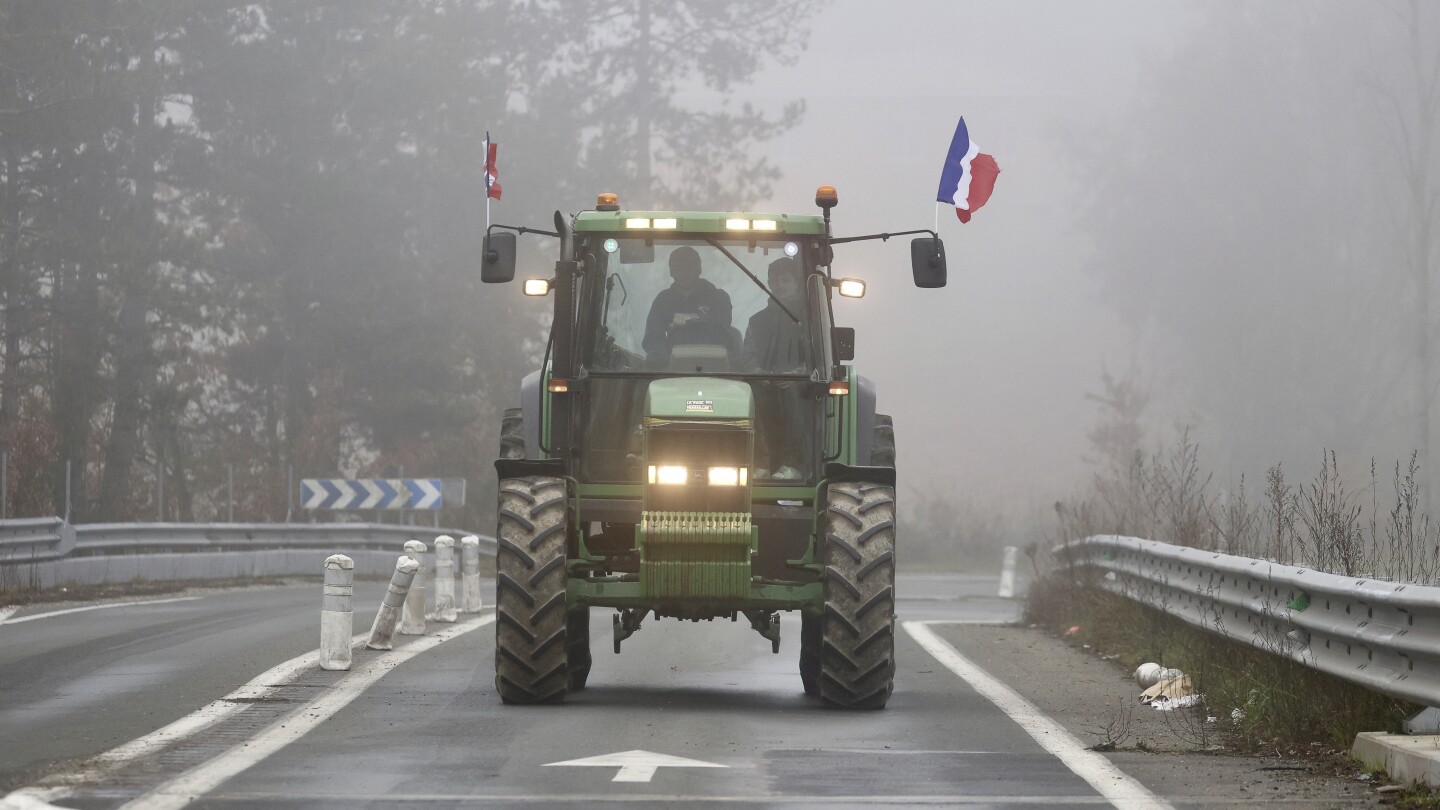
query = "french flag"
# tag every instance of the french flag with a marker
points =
(968, 177)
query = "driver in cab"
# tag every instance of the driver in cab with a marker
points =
(689, 303)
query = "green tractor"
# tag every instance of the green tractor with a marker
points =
(695, 446)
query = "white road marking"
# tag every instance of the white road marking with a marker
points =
(4, 617)
(196, 782)
(60, 785)
(32, 799)
(1118, 787)
(635, 766)
(7, 612)
(249, 798)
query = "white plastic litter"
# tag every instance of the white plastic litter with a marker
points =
(393, 603)
(470, 601)
(412, 617)
(445, 579)
(337, 621)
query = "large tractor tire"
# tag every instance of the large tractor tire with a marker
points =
(512, 434)
(882, 444)
(577, 644)
(531, 623)
(857, 656)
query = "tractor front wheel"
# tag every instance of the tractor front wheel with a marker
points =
(531, 623)
(882, 442)
(577, 643)
(512, 434)
(857, 655)
(810, 653)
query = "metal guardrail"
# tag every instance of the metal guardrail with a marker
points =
(45, 539)
(1381, 635)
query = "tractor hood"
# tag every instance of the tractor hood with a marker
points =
(699, 398)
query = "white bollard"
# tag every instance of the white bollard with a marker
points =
(470, 601)
(445, 579)
(412, 618)
(337, 621)
(392, 604)
(1007, 573)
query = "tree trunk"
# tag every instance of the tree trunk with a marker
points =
(132, 368)
(645, 109)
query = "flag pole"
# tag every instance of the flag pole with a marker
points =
(485, 171)
(937, 217)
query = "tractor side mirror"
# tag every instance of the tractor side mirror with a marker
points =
(844, 339)
(927, 261)
(497, 264)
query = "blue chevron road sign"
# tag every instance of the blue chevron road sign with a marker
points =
(381, 493)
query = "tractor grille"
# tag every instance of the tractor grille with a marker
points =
(695, 554)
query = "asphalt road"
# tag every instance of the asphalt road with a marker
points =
(430, 730)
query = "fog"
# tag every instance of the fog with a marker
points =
(248, 234)
(1219, 197)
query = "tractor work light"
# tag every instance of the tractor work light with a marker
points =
(737, 224)
(537, 286)
(668, 474)
(851, 287)
(558, 386)
(637, 222)
(763, 224)
(667, 222)
(607, 202)
(839, 388)
(727, 476)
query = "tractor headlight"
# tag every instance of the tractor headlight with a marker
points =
(727, 476)
(668, 474)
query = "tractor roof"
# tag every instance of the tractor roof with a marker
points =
(699, 222)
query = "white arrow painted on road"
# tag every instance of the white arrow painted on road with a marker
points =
(637, 765)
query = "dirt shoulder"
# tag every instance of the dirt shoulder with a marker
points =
(1178, 755)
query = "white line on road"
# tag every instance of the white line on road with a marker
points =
(196, 782)
(1118, 787)
(5, 617)
(7, 612)
(60, 785)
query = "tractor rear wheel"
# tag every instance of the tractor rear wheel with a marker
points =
(531, 623)
(512, 434)
(857, 656)
(577, 644)
(882, 443)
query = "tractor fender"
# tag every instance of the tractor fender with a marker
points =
(530, 412)
(864, 419)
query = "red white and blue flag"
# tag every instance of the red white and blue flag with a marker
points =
(492, 186)
(968, 177)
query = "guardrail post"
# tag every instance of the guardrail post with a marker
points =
(392, 604)
(445, 579)
(1007, 573)
(412, 619)
(336, 619)
(470, 574)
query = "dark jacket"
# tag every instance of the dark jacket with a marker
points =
(773, 343)
(706, 301)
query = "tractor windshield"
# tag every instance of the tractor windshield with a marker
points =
(699, 305)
